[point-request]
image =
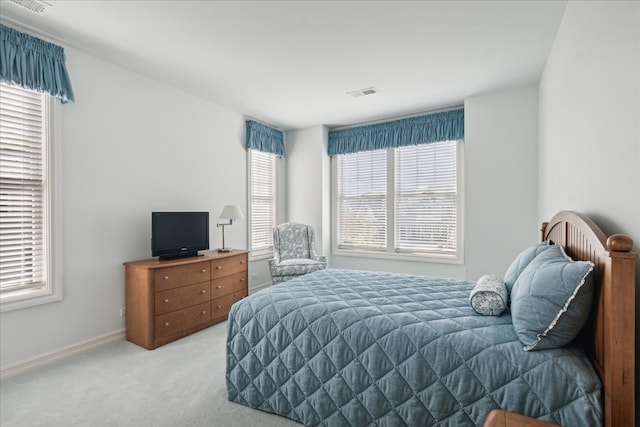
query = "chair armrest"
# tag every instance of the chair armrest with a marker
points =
(274, 266)
(320, 258)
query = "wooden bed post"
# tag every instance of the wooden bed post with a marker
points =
(619, 331)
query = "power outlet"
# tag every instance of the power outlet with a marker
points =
(123, 311)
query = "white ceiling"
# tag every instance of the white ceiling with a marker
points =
(291, 63)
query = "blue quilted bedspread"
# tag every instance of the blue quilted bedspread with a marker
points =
(355, 348)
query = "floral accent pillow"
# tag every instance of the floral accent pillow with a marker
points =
(489, 296)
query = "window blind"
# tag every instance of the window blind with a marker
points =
(362, 200)
(23, 154)
(262, 181)
(426, 196)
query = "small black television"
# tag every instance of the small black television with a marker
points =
(179, 234)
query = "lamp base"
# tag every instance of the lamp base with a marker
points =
(224, 249)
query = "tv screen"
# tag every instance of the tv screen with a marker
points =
(179, 234)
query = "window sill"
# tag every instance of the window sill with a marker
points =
(16, 300)
(260, 256)
(400, 256)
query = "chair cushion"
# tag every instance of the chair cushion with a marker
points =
(296, 267)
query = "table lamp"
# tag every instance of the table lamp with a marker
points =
(230, 212)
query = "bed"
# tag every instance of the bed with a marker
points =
(344, 347)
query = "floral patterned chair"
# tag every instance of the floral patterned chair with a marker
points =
(294, 252)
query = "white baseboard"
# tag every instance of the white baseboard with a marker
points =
(23, 366)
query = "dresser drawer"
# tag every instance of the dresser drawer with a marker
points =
(178, 298)
(220, 306)
(226, 266)
(193, 316)
(173, 277)
(177, 321)
(227, 285)
(168, 324)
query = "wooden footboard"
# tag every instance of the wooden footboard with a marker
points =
(500, 418)
(609, 337)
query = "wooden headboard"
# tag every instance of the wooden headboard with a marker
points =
(609, 336)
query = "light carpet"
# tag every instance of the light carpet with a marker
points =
(122, 384)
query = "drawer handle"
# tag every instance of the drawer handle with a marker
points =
(219, 267)
(203, 312)
(165, 278)
(204, 270)
(166, 300)
(204, 291)
(219, 287)
(242, 280)
(242, 262)
(218, 307)
(166, 323)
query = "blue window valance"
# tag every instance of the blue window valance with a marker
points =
(443, 126)
(265, 138)
(33, 63)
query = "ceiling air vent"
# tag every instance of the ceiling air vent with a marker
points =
(35, 6)
(363, 92)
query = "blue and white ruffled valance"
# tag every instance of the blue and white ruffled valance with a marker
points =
(265, 138)
(32, 63)
(443, 126)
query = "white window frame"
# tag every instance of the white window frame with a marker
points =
(51, 290)
(390, 251)
(265, 253)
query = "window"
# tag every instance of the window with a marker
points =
(262, 202)
(400, 202)
(26, 199)
(362, 200)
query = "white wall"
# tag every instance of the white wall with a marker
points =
(500, 188)
(308, 183)
(129, 146)
(589, 148)
(590, 114)
(501, 178)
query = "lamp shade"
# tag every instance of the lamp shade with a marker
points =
(231, 212)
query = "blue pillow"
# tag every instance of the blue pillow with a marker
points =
(521, 262)
(489, 296)
(551, 300)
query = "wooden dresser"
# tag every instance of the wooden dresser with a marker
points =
(167, 300)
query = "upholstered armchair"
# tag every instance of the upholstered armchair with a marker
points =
(294, 252)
